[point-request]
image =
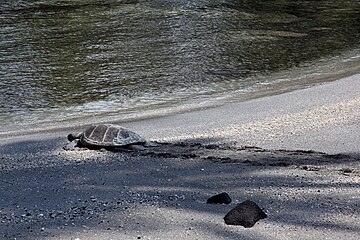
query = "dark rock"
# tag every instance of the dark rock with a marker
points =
(346, 170)
(245, 214)
(219, 199)
(189, 155)
(279, 164)
(311, 168)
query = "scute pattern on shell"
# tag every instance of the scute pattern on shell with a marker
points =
(109, 135)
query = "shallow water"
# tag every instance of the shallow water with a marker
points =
(85, 60)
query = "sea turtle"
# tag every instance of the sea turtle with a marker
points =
(108, 136)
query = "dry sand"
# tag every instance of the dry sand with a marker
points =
(296, 155)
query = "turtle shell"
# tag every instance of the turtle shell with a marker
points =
(109, 135)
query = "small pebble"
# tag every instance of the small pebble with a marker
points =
(222, 198)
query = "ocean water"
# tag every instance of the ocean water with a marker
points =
(84, 61)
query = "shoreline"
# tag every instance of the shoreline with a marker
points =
(320, 118)
(301, 79)
(295, 154)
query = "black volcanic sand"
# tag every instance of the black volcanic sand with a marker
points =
(296, 155)
(50, 193)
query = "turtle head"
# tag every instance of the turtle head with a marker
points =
(72, 136)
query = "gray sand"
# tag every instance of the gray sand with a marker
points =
(296, 155)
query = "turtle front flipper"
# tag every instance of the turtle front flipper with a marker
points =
(71, 145)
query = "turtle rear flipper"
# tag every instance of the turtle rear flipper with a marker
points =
(142, 147)
(136, 147)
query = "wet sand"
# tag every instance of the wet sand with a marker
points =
(296, 155)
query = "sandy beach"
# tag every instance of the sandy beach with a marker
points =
(296, 155)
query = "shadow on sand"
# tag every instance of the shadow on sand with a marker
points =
(48, 192)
